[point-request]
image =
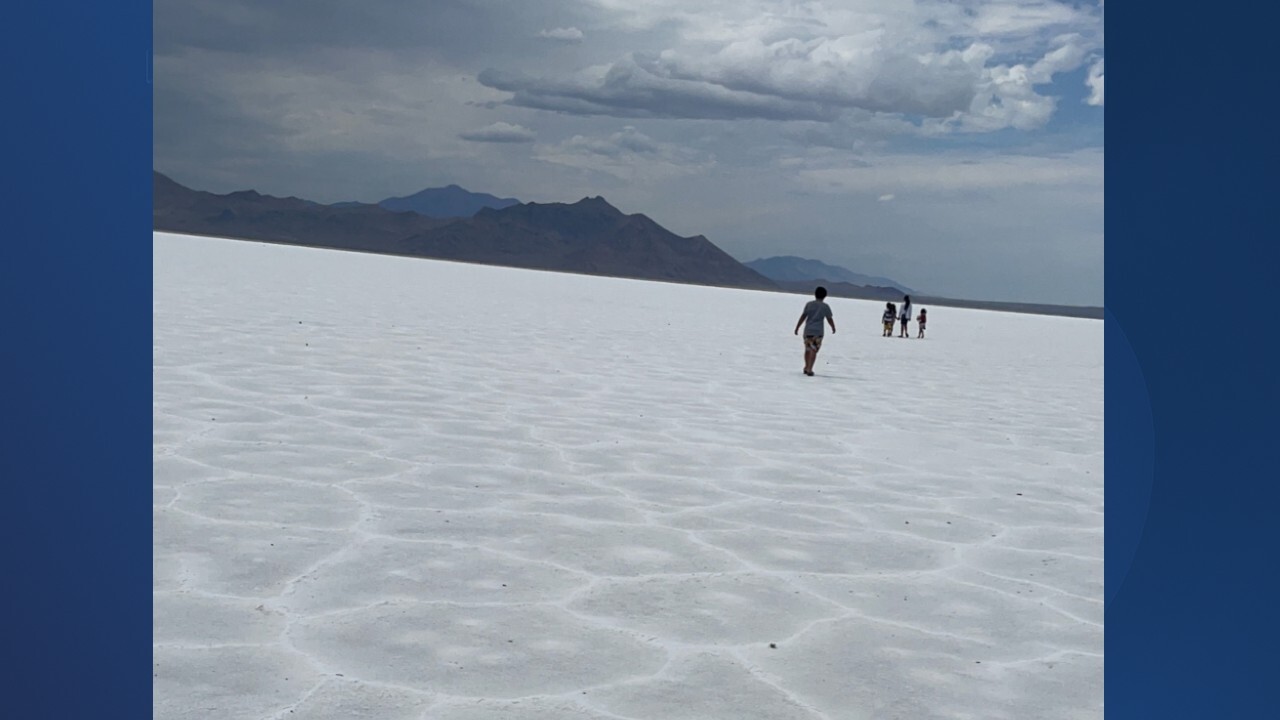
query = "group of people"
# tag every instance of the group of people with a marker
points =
(903, 316)
(817, 311)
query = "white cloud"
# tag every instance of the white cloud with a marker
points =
(999, 18)
(886, 198)
(968, 66)
(499, 132)
(1094, 81)
(1067, 56)
(1007, 96)
(568, 34)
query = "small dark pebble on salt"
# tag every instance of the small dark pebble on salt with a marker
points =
(773, 645)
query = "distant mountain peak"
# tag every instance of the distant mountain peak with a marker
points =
(596, 202)
(791, 268)
(450, 201)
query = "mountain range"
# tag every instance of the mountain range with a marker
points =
(789, 268)
(589, 236)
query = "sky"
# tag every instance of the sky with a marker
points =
(953, 146)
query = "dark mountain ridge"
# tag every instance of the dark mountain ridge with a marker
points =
(589, 236)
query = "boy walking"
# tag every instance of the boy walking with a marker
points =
(815, 311)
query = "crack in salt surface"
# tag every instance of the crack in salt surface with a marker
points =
(612, 488)
(288, 710)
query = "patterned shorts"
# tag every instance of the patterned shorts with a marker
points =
(812, 342)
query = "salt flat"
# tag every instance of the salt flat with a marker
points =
(397, 488)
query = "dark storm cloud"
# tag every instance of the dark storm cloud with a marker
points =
(631, 91)
(789, 79)
(198, 134)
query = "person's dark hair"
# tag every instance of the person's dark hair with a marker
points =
(906, 299)
(820, 293)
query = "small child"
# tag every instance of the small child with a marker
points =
(890, 312)
(921, 320)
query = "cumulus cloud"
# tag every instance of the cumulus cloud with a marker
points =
(1094, 81)
(499, 132)
(1007, 97)
(840, 73)
(567, 34)
(936, 63)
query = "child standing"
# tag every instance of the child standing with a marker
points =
(921, 320)
(890, 313)
(905, 315)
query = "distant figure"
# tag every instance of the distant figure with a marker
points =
(921, 320)
(905, 315)
(815, 311)
(890, 313)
